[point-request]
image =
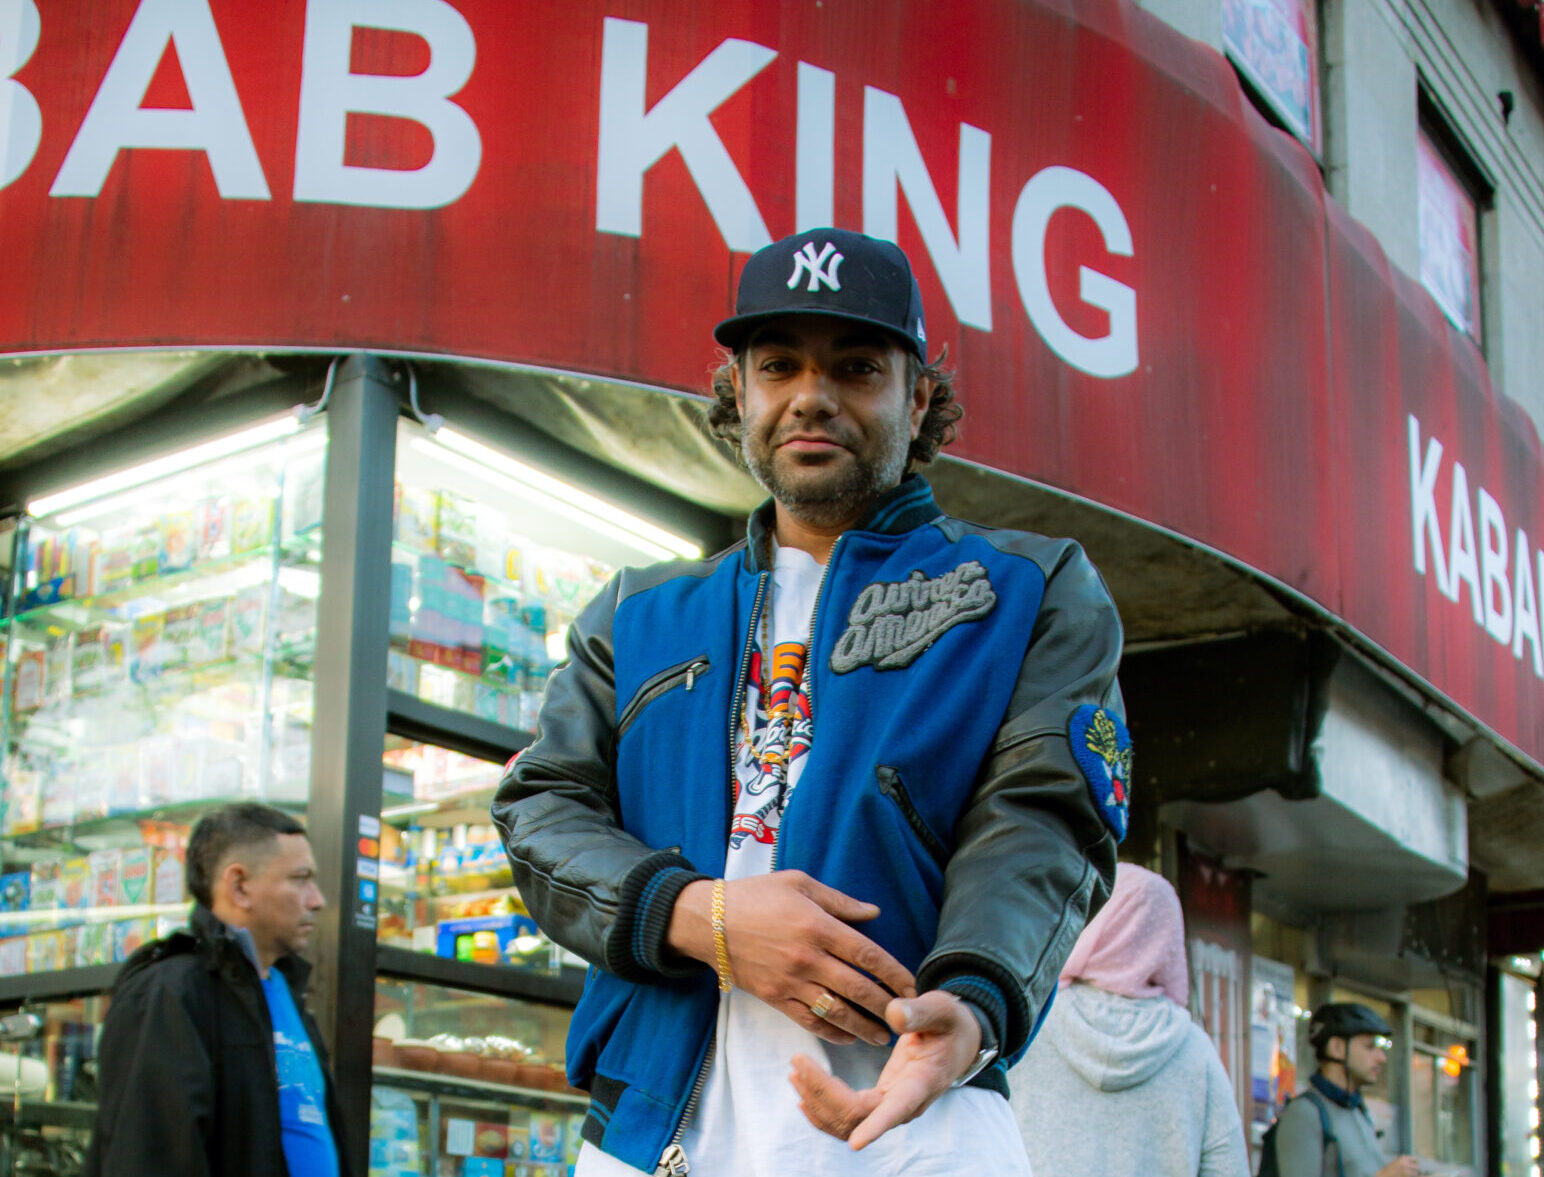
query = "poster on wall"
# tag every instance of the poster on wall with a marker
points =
(1216, 903)
(1449, 237)
(1272, 1038)
(1274, 43)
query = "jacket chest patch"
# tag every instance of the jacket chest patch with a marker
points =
(893, 622)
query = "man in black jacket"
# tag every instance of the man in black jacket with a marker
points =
(210, 1065)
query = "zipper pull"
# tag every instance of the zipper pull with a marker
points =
(673, 1163)
(691, 674)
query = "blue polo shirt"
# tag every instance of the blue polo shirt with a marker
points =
(309, 1148)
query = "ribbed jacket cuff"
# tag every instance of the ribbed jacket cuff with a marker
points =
(990, 988)
(636, 948)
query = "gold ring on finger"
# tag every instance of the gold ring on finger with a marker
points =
(823, 1006)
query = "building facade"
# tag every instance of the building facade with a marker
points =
(348, 347)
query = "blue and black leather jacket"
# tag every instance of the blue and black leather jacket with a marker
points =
(963, 690)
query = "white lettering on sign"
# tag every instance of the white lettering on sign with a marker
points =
(1503, 589)
(815, 141)
(633, 139)
(21, 122)
(116, 121)
(1110, 355)
(891, 161)
(329, 93)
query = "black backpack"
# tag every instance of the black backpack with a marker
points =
(1268, 1164)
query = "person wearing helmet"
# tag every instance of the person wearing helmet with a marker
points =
(1352, 1043)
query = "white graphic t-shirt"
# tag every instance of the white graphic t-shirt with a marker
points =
(747, 1122)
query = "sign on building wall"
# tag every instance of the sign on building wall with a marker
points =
(1149, 301)
(1216, 903)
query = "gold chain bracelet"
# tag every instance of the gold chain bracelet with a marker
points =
(720, 945)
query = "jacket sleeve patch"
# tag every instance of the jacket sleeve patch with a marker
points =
(1102, 747)
(893, 622)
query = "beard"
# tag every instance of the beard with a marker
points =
(831, 489)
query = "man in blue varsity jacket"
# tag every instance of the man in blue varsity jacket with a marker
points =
(827, 811)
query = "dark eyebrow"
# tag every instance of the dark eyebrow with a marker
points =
(857, 340)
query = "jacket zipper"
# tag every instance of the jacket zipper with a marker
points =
(673, 1161)
(658, 685)
(894, 787)
(737, 699)
(808, 683)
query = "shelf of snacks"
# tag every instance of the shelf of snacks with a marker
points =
(446, 885)
(157, 662)
(470, 1083)
(491, 562)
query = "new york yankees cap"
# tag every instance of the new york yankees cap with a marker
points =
(833, 272)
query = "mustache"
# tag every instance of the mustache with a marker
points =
(842, 437)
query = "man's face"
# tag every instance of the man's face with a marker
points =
(827, 415)
(281, 896)
(1365, 1057)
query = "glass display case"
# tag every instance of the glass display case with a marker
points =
(48, 1086)
(157, 652)
(445, 883)
(469, 1085)
(491, 561)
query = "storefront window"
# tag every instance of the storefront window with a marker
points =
(491, 561)
(446, 886)
(1449, 236)
(1274, 44)
(157, 661)
(1518, 1094)
(1442, 1095)
(471, 1085)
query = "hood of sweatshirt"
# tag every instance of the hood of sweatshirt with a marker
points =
(1115, 1042)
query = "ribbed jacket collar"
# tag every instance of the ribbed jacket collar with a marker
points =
(899, 510)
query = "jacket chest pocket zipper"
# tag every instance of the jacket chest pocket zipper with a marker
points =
(683, 673)
(893, 787)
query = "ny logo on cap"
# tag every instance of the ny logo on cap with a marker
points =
(820, 270)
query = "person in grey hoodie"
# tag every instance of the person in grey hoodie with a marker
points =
(1120, 1079)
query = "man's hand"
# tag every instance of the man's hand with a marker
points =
(790, 944)
(1400, 1167)
(939, 1039)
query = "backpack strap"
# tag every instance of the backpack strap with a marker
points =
(1324, 1127)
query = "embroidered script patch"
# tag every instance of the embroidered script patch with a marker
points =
(892, 622)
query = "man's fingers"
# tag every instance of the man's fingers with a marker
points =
(903, 1101)
(933, 1012)
(827, 1102)
(858, 950)
(829, 1031)
(843, 906)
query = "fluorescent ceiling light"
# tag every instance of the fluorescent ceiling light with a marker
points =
(564, 498)
(405, 810)
(158, 468)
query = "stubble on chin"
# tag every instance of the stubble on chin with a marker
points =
(825, 497)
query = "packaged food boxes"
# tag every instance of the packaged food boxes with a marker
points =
(168, 882)
(106, 877)
(75, 882)
(24, 801)
(93, 945)
(134, 877)
(251, 524)
(459, 939)
(13, 956)
(177, 540)
(128, 935)
(46, 897)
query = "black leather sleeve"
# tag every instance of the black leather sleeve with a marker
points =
(591, 886)
(1034, 860)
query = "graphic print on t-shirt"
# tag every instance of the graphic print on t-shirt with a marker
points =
(774, 733)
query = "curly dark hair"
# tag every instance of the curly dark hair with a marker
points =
(939, 426)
